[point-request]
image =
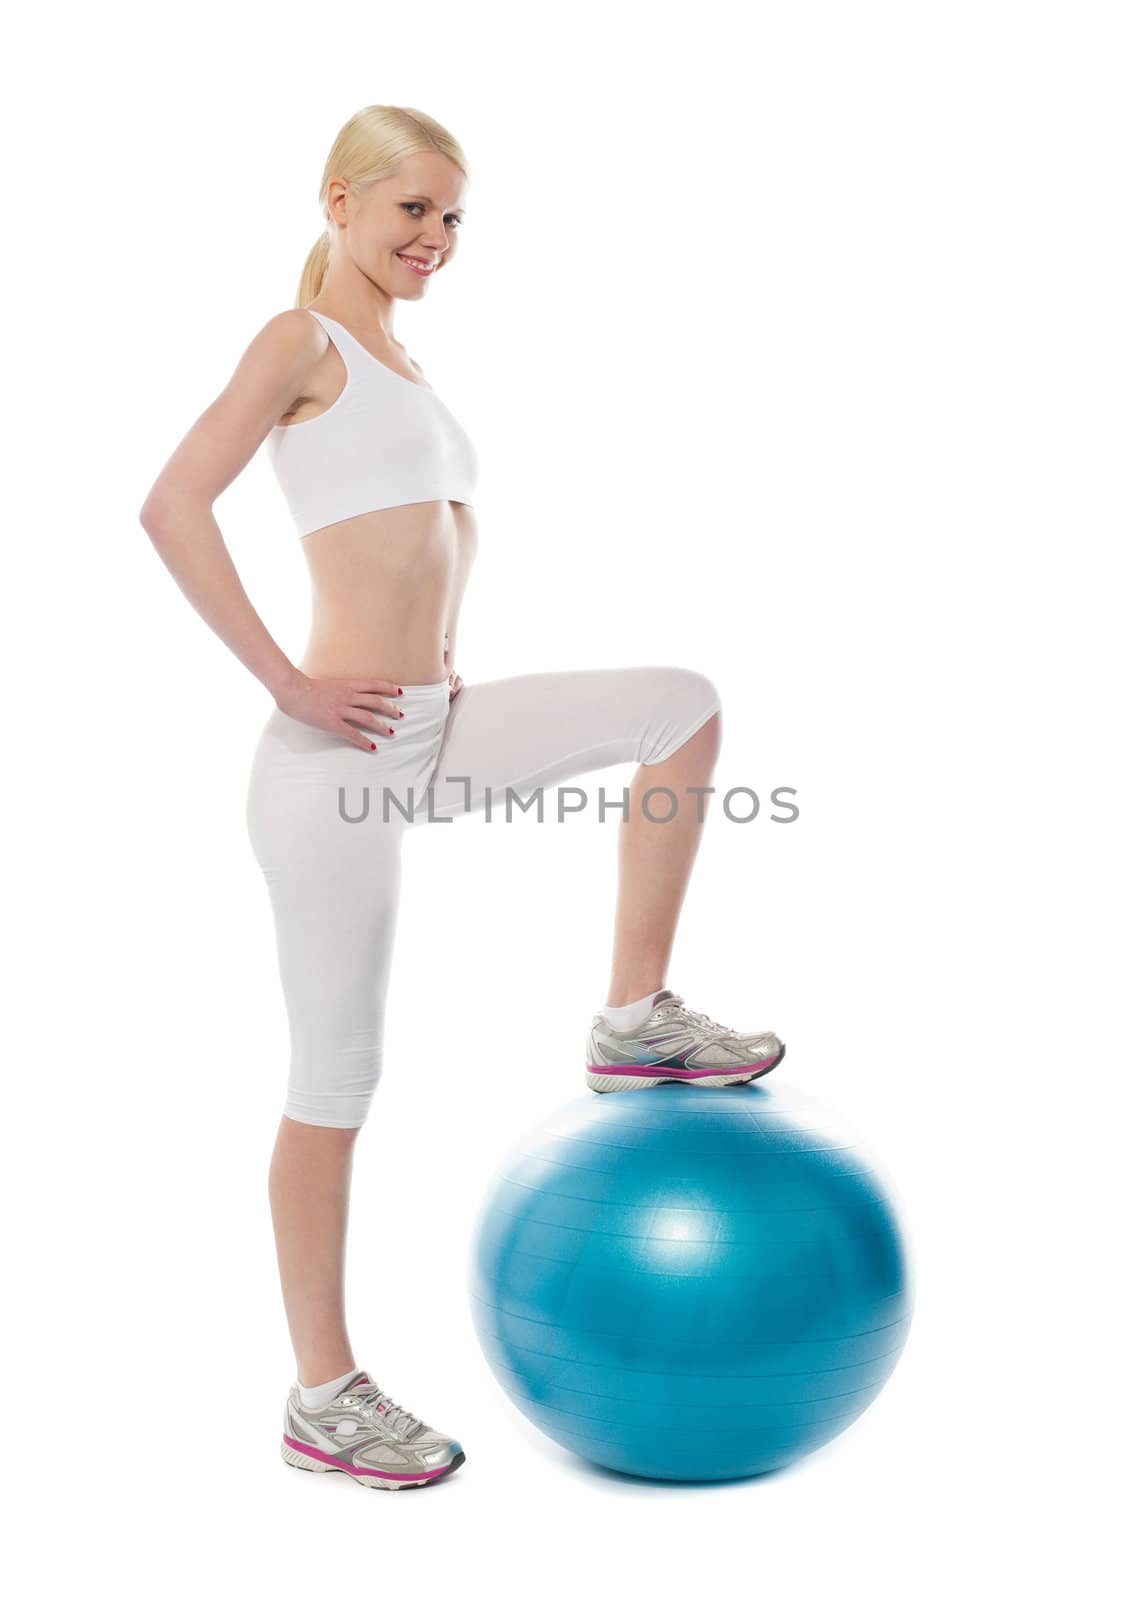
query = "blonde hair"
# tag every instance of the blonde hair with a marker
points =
(371, 146)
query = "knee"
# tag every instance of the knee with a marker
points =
(331, 1099)
(703, 692)
(318, 1112)
(685, 702)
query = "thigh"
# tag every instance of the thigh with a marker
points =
(334, 888)
(542, 728)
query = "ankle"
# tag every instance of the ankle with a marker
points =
(321, 1372)
(629, 994)
(631, 1015)
(315, 1396)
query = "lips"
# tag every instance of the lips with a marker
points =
(421, 268)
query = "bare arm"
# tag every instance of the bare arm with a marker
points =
(178, 516)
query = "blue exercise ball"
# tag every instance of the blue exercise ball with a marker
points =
(690, 1284)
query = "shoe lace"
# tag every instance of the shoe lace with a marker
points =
(393, 1415)
(676, 1002)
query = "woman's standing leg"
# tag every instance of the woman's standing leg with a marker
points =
(310, 1173)
(335, 919)
(334, 886)
(326, 823)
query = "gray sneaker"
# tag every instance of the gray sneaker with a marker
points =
(676, 1045)
(366, 1434)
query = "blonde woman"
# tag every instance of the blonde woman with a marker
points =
(380, 479)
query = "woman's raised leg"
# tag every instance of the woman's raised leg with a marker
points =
(542, 728)
(515, 734)
(655, 862)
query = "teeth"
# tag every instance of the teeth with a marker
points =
(418, 265)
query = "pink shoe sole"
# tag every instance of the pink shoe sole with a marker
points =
(603, 1079)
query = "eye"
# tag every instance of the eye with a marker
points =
(417, 205)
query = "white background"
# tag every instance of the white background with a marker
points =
(793, 343)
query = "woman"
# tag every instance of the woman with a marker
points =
(380, 479)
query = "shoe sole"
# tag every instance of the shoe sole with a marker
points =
(604, 1079)
(307, 1459)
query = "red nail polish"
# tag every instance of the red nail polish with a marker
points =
(372, 747)
(391, 731)
(399, 691)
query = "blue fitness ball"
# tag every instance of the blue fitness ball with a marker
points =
(690, 1284)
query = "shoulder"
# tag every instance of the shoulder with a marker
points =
(286, 349)
(293, 332)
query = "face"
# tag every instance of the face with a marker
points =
(417, 212)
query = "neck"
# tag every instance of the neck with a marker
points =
(357, 303)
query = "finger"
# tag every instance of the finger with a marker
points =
(361, 740)
(376, 686)
(377, 702)
(369, 719)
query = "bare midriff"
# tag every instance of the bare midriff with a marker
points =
(387, 589)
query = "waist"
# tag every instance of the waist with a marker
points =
(408, 657)
(386, 589)
(426, 707)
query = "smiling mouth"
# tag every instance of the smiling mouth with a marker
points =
(422, 269)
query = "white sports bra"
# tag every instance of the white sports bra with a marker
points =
(385, 441)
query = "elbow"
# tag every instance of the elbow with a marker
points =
(151, 517)
(161, 514)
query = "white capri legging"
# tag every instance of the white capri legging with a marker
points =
(334, 882)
